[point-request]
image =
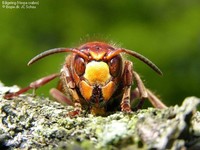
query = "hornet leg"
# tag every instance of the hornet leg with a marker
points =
(34, 85)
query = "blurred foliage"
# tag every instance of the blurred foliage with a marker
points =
(166, 31)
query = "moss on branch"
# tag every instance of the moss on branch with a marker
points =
(37, 122)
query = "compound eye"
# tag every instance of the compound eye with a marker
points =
(79, 65)
(115, 65)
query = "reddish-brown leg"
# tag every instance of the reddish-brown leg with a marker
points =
(125, 104)
(34, 85)
(67, 85)
(127, 80)
(155, 100)
(77, 110)
(135, 94)
(60, 97)
(77, 105)
(144, 93)
(140, 92)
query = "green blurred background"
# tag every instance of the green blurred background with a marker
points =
(165, 31)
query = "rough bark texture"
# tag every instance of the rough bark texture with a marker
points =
(36, 122)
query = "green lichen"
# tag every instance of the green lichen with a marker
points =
(37, 122)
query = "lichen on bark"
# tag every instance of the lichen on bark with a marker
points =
(37, 122)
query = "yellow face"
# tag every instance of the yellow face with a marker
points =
(97, 81)
(97, 73)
